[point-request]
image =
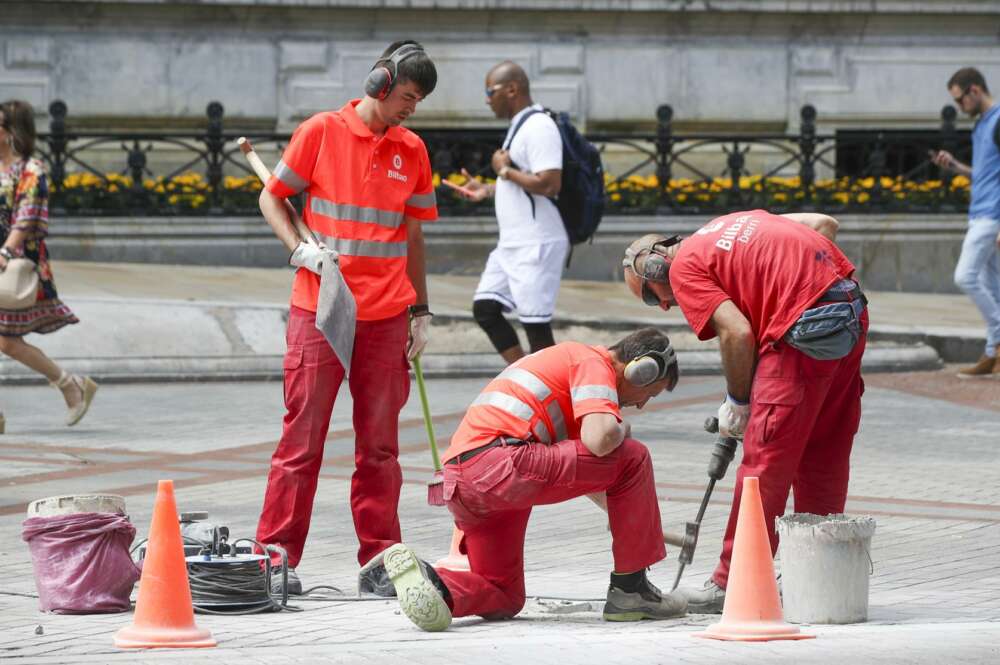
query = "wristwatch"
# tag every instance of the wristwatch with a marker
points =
(6, 253)
(420, 310)
(502, 173)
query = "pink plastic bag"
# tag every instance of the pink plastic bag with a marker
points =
(81, 562)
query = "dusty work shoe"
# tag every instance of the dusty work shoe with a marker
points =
(709, 599)
(419, 597)
(984, 368)
(294, 583)
(638, 599)
(376, 581)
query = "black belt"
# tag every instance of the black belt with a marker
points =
(499, 441)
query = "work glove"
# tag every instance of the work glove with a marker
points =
(311, 257)
(733, 417)
(420, 324)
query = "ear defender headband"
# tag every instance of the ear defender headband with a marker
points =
(654, 268)
(650, 367)
(382, 78)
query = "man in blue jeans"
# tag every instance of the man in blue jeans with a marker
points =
(978, 269)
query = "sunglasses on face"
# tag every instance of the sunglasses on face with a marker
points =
(958, 100)
(493, 88)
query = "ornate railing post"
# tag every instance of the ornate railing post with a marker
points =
(137, 170)
(807, 151)
(949, 142)
(664, 148)
(876, 163)
(57, 144)
(215, 144)
(735, 161)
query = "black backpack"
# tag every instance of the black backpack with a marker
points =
(581, 197)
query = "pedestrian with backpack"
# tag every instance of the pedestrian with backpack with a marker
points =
(522, 274)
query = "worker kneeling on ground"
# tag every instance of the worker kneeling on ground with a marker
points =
(548, 429)
(792, 323)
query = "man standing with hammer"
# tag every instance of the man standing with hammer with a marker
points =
(792, 323)
(367, 185)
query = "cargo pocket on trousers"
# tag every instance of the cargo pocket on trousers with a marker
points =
(292, 361)
(778, 397)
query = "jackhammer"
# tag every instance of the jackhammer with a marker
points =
(722, 455)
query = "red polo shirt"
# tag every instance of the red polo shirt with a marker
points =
(771, 267)
(359, 190)
(542, 397)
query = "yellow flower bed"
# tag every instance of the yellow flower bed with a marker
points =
(191, 191)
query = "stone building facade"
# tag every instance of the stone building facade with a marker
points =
(722, 64)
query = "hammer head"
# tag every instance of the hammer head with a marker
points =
(690, 542)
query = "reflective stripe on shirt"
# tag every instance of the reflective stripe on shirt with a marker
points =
(558, 422)
(346, 212)
(285, 174)
(369, 248)
(505, 402)
(528, 381)
(428, 200)
(597, 391)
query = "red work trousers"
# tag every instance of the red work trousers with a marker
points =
(804, 414)
(380, 385)
(491, 496)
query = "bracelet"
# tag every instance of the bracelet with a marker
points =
(420, 310)
(6, 253)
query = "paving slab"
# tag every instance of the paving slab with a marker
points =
(925, 465)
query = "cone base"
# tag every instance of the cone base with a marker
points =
(458, 562)
(133, 637)
(753, 632)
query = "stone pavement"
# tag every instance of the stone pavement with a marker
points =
(159, 322)
(925, 465)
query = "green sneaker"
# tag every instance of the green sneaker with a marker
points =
(419, 597)
(647, 602)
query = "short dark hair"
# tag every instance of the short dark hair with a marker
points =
(966, 77)
(643, 341)
(19, 121)
(417, 68)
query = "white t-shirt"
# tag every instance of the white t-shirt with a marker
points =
(537, 147)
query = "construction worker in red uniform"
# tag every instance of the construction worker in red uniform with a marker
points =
(792, 323)
(547, 429)
(368, 187)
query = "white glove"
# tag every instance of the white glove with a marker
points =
(733, 417)
(311, 257)
(419, 333)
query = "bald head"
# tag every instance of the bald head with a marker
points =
(509, 72)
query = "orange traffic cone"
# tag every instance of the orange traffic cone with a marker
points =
(164, 616)
(455, 559)
(752, 611)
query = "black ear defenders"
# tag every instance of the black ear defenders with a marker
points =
(654, 268)
(382, 78)
(652, 366)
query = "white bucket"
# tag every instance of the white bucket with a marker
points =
(77, 503)
(825, 564)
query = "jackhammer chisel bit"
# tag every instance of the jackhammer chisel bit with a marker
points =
(722, 454)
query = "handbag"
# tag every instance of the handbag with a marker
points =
(18, 284)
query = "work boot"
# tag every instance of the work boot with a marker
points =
(984, 367)
(376, 581)
(294, 583)
(634, 598)
(422, 594)
(709, 599)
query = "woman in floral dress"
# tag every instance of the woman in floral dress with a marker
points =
(23, 226)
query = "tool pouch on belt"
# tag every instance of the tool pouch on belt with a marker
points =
(828, 331)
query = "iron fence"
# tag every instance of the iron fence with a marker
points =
(200, 171)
